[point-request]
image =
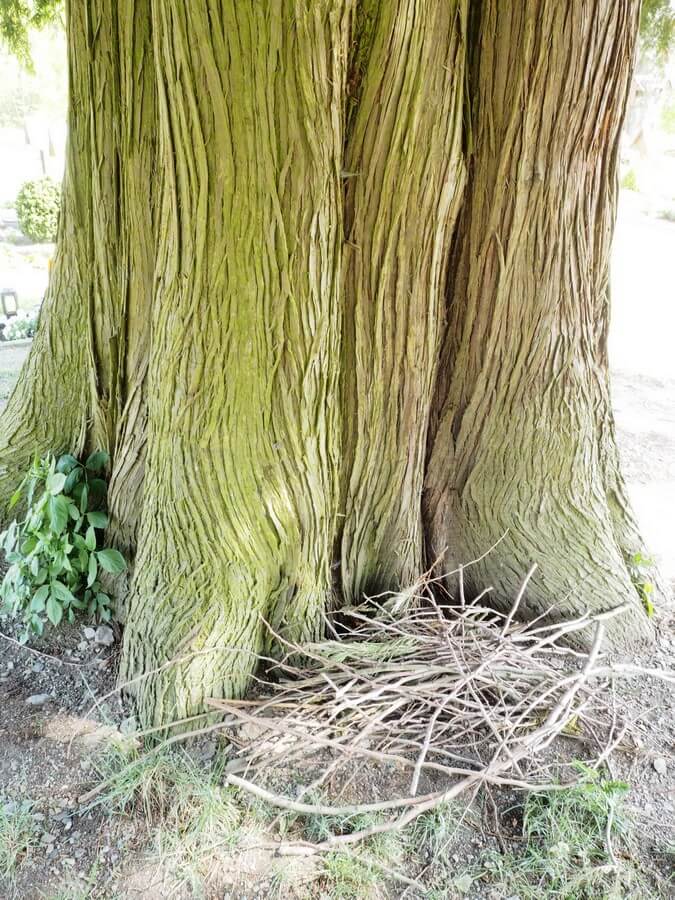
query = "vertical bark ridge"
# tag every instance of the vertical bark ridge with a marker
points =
(243, 423)
(525, 441)
(106, 309)
(138, 212)
(405, 175)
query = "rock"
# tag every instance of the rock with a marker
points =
(104, 635)
(37, 699)
(128, 725)
(83, 644)
(47, 838)
(10, 666)
(660, 765)
(90, 633)
(37, 667)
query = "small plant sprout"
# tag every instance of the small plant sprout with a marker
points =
(56, 553)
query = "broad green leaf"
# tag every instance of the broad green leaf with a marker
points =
(54, 610)
(84, 499)
(73, 512)
(73, 479)
(112, 561)
(98, 519)
(29, 545)
(58, 511)
(90, 539)
(55, 482)
(60, 591)
(66, 463)
(97, 461)
(92, 571)
(39, 600)
(16, 496)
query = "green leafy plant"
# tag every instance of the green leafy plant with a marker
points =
(640, 568)
(55, 553)
(37, 209)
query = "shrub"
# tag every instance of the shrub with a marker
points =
(55, 554)
(17, 327)
(37, 208)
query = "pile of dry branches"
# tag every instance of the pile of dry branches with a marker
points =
(457, 695)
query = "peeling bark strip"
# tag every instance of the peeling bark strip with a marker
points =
(405, 174)
(243, 427)
(526, 440)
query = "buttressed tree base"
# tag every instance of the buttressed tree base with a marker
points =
(332, 289)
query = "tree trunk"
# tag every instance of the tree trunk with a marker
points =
(248, 310)
(405, 174)
(524, 450)
(243, 430)
(49, 408)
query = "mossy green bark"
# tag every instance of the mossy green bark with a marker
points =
(405, 176)
(243, 433)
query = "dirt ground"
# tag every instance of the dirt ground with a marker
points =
(46, 743)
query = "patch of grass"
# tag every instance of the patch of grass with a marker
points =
(567, 836)
(351, 876)
(18, 835)
(196, 821)
(433, 830)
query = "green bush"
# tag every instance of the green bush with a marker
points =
(55, 554)
(37, 208)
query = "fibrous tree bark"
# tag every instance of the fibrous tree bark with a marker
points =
(332, 289)
(241, 472)
(524, 452)
(405, 175)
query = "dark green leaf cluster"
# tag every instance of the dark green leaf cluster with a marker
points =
(55, 554)
(37, 209)
(18, 17)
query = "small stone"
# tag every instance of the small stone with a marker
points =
(104, 635)
(128, 725)
(37, 699)
(37, 667)
(10, 808)
(90, 633)
(660, 765)
(10, 666)
(47, 838)
(83, 644)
